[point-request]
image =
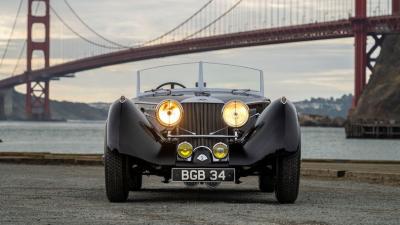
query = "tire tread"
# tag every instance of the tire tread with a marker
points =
(288, 178)
(115, 176)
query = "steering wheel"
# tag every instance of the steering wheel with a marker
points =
(172, 84)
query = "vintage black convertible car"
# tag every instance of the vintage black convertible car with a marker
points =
(199, 133)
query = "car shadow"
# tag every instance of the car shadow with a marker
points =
(241, 196)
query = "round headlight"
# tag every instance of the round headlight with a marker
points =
(220, 150)
(235, 113)
(185, 150)
(169, 113)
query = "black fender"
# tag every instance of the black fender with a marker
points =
(129, 132)
(276, 129)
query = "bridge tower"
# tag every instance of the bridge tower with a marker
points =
(360, 38)
(37, 92)
(362, 56)
(396, 7)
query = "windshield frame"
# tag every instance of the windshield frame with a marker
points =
(200, 80)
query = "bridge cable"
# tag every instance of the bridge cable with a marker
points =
(91, 29)
(22, 49)
(79, 35)
(214, 21)
(180, 25)
(19, 59)
(12, 32)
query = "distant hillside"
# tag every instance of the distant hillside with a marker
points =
(332, 107)
(100, 105)
(314, 112)
(60, 110)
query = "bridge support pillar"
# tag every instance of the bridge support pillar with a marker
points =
(396, 7)
(6, 103)
(371, 60)
(37, 92)
(360, 66)
(360, 61)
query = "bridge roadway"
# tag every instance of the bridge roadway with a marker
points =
(62, 194)
(298, 33)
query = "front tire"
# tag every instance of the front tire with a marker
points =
(116, 179)
(288, 178)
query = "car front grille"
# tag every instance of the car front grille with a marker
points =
(203, 118)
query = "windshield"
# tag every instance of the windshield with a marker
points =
(217, 75)
(185, 74)
(188, 75)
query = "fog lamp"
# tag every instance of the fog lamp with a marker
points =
(220, 150)
(169, 113)
(235, 113)
(185, 150)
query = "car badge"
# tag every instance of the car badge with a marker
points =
(202, 158)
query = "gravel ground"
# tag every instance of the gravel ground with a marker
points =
(33, 194)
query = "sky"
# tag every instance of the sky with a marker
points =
(298, 70)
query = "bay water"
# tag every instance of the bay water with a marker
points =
(88, 137)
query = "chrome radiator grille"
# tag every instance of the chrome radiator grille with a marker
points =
(203, 118)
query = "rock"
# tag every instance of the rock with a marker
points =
(380, 100)
(320, 121)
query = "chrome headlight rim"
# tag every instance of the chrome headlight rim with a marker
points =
(246, 107)
(159, 120)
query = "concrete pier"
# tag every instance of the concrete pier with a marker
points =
(373, 129)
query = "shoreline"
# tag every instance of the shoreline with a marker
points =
(305, 120)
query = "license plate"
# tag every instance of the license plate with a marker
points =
(203, 174)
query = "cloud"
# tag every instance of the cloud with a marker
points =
(338, 80)
(297, 70)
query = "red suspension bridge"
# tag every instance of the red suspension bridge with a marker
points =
(218, 24)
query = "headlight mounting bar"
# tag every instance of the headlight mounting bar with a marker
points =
(201, 136)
